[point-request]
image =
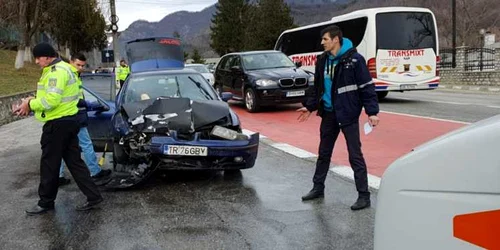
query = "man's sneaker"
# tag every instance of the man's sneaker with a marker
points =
(63, 181)
(103, 173)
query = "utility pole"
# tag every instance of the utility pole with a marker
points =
(454, 33)
(114, 30)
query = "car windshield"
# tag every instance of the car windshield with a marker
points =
(266, 61)
(199, 68)
(144, 87)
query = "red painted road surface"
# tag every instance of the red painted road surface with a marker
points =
(395, 136)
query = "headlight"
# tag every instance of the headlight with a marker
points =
(228, 134)
(311, 79)
(266, 83)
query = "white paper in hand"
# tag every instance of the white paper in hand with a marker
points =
(368, 128)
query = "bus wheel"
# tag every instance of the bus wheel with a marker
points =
(382, 94)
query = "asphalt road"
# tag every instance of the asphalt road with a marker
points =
(444, 104)
(260, 208)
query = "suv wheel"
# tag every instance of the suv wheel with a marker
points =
(251, 102)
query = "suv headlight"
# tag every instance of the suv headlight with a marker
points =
(311, 79)
(266, 83)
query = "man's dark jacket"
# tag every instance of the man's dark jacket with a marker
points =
(352, 88)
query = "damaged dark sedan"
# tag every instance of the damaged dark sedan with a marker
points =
(173, 119)
(168, 117)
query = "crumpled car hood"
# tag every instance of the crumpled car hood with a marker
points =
(180, 114)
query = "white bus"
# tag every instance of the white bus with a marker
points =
(400, 45)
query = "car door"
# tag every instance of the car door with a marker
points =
(100, 88)
(236, 76)
(221, 75)
(99, 122)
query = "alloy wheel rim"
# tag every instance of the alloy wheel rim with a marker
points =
(249, 100)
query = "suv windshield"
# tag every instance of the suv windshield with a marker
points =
(191, 86)
(199, 68)
(266, 61)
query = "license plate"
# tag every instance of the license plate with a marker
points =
(295, 93)
(408, 86)
(185, 150)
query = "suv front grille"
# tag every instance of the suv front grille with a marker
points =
(290, 82)
(300, 81)
(286, 82)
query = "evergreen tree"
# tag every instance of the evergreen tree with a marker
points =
(270, 19)
(228, 26)
(177, 35)
(197, 57)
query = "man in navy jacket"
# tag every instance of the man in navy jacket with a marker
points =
(342, 87)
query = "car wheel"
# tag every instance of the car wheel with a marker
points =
(382, 94)
(251, 102)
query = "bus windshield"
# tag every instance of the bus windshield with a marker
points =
(405, 31)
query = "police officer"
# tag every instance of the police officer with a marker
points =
(342, 87)
(56, 105)
(122, 72)
(77, 64)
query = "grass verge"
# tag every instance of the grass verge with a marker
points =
(14, 81)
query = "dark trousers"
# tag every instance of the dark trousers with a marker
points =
(329, 132)
(121, 83)
(60, 141)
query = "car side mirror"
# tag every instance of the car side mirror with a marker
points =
(226, 96)
(298, 64)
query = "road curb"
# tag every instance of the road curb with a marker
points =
(492, 89)
(344, 172)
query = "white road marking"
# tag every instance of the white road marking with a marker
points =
(454, 103)
(293, 150)
(495, 107)
(248, 132)
(425, 117)
(345, 171)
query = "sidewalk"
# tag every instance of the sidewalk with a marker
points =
(472, 88)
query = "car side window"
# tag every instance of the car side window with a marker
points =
(236, 62)
(88, 96)
(224, 63)
(229, 62)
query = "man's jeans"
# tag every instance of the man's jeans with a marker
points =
(88, 153)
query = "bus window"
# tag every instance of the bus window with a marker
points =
(405, 30)
(309, 40)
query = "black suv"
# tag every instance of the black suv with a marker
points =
(261, 78)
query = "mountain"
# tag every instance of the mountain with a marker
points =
(194, 27)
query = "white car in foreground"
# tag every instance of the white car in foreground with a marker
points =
(444, 194)
(203, 69)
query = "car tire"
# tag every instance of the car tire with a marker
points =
(382, 94)
(251, 101)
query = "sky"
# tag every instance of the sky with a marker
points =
(129, 11)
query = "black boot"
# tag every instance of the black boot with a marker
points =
(313, 194)
(89, 205)
(361, 203)
(38, 210)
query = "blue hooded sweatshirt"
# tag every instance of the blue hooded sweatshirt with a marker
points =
(330, 64)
